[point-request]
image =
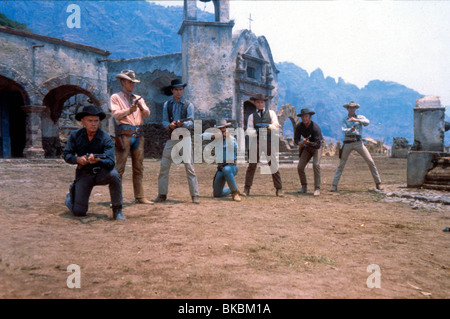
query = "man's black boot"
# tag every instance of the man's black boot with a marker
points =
(117, 214)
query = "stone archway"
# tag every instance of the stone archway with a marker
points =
(58, 91)
(287, 111)
(29, 91)
(12, 118)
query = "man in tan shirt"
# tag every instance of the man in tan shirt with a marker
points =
(129, 111)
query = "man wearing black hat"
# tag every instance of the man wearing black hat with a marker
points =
(92, 170)
(129, 111)
(309, 147)
(262, 119)
(352, 126)
(177, 112)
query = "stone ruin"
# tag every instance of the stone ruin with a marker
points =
(428, 163)
(400, 147)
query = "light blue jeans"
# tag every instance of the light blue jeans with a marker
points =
(226, 175)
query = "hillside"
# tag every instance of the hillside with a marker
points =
(388, 105)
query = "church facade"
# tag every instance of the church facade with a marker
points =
(222, 69)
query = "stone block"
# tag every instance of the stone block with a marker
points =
(418, 165)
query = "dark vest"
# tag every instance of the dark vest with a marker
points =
(258, 120)
(261, 120)
(183, 113)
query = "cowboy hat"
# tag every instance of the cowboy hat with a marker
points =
(222, 123)
(305, 111)
(128, 75)
(259, 97)
(90, 110)
(174, 84)
(351, 103)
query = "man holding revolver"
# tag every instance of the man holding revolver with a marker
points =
(129, 111)
(92, 169)
(259, 120)
(352, 126)
(177, 112)
(309, 147)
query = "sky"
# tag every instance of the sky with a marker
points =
(407, 42)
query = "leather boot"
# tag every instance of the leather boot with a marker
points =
(246, 191)
(279, 192)
(303, 190)
(117, 214)
(236, 196)
(160, 199)
(195, 199)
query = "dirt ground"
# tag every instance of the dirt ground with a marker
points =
(299, 246)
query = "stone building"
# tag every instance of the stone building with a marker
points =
(222, 69)
(42, 87)
(38, 74)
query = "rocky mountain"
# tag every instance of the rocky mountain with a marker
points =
(130, 29)
(388, 105)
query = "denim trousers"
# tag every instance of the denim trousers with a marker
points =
(226, 175)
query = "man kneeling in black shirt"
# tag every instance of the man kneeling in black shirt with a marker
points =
(92, 170)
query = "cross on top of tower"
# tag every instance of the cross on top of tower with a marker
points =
(250, 22)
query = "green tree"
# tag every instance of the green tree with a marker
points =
(4, 20)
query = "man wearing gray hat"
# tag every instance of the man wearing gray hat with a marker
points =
(129, 111)
(352, 126)
(309, 147)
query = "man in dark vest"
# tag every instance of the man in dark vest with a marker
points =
(177, 112)
(93, 150)
(309, 147)
(262, 119)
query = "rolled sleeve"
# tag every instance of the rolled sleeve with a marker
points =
(116, 110)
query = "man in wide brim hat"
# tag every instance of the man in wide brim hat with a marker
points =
(305, 111)
(128, 75)
(352, 127)
(222, 124)
(259, 96)
(308, 135)
(351, 104)
(90, 110)
(258, 121)
(226, 169)
(92, 150)
(173, 84)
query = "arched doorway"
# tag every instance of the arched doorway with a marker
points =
(58, 120)
(12, 118)
(249, 108)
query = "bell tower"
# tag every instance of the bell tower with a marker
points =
(206, 61)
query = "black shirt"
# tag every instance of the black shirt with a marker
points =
(312, 132)
(79, 145)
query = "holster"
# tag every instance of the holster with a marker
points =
(118, 141)
(340, 151)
